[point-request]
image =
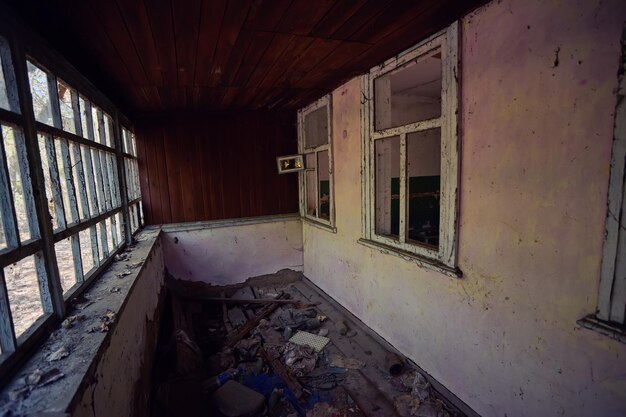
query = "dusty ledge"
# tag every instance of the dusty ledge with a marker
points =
(83, 343)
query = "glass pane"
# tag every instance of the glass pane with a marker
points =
(15, 175)
(86, 254)
(63, 180)
(316, 128)
(79, 180)
(100, 246)
(4, 99)
(83, 116)
(409, 94)
(387, 183)
(41, 95)
(96, 124)
(65, 261)
(67, 110)
(311, 181)
(24, 295)
(107, 130)
(97, 166)
(110, 245)
(90, 180)
(133, 143)
(120, 227)
(45, 166)
(323, 169)
(423, 192)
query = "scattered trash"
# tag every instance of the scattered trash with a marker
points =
(341, 326)
(309, 339)
(299, 359)
(71, 320)
(115, 289)
(395, 364)
(58, 354)
(122, 256)
(323, 332)
(406, 405)
(322, 410)
(134, 265)
(40, 378)
(236, 400)
(106, 320)
(122, 274)
(338, 361)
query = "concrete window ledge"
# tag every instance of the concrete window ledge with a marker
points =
(102, 365)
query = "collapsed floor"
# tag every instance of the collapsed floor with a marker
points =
(278, 346)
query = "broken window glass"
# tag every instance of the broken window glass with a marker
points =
(409, 94)
(67, 109)
(423, 186)
(42, 106)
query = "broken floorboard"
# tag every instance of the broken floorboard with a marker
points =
(353, 364)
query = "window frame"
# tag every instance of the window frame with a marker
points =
(18, 46)
(329, 224)
(610, 317)
(444, 257)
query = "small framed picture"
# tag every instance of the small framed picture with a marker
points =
(289, 163)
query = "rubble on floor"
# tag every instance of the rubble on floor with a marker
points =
(269, 349)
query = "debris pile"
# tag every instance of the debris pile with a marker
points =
(268, 351)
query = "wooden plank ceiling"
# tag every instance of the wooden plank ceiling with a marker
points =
(196, 55)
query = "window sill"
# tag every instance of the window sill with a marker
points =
(319, 225)
(611, 330)
(421, 261)
(85, 346)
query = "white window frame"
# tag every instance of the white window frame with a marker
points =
(325, 101)
(443, 258)
(610, 318)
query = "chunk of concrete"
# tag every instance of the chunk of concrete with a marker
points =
(236, 400)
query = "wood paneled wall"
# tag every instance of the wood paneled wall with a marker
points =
(215, 167)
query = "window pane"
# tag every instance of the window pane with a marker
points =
(63, 180)
(15, 174)
(82, 103)
(67, 110)
(107, 130)
(387, 182)
(41, 95)
(45, 166)
(423, 192)
(24, 295)
(86, 254)
(110, 244)
(311, 181)
(120, 227)
(65, 261)
(96, 124)
(79, 180)
(323, 169)
(409, 94)
(316, 128)
(4, 98)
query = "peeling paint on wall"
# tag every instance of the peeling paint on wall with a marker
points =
(538, 104)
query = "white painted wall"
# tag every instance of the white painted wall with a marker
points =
(535, 158)
(228, 252)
